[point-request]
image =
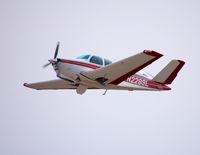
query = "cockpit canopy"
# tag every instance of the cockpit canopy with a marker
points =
(95, 59)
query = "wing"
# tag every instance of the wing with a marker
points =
(53, 84)
(121, 70)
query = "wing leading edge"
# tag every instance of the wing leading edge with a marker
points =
(53, 84)
(119, 71)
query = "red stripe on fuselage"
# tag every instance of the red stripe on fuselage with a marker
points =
(155, 85)
(78, 63)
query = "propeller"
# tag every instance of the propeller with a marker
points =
(54, 59)
(56, 51)
(46, 65)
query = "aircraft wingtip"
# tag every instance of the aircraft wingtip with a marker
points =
(153, 53)
(181, 62)
(25, 85)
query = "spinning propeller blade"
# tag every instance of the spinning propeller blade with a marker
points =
(55, 56)
(56, 51)
(46, 65)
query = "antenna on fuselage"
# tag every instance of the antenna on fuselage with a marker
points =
(105, 92)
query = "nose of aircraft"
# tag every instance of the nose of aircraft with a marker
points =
(52, 61)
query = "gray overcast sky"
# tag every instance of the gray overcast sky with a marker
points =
(122, 122)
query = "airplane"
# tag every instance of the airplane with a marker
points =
(94, 72)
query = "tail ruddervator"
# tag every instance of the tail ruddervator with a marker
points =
(169, 72)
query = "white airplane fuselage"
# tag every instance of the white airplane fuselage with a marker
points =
(71, 70)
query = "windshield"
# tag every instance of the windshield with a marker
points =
(83, 57)
(95, 59)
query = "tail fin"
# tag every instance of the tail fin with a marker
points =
(169, 72)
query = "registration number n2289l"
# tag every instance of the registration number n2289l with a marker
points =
(137, 81)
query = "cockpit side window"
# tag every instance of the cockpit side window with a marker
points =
(107, 62)
(96, 60)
